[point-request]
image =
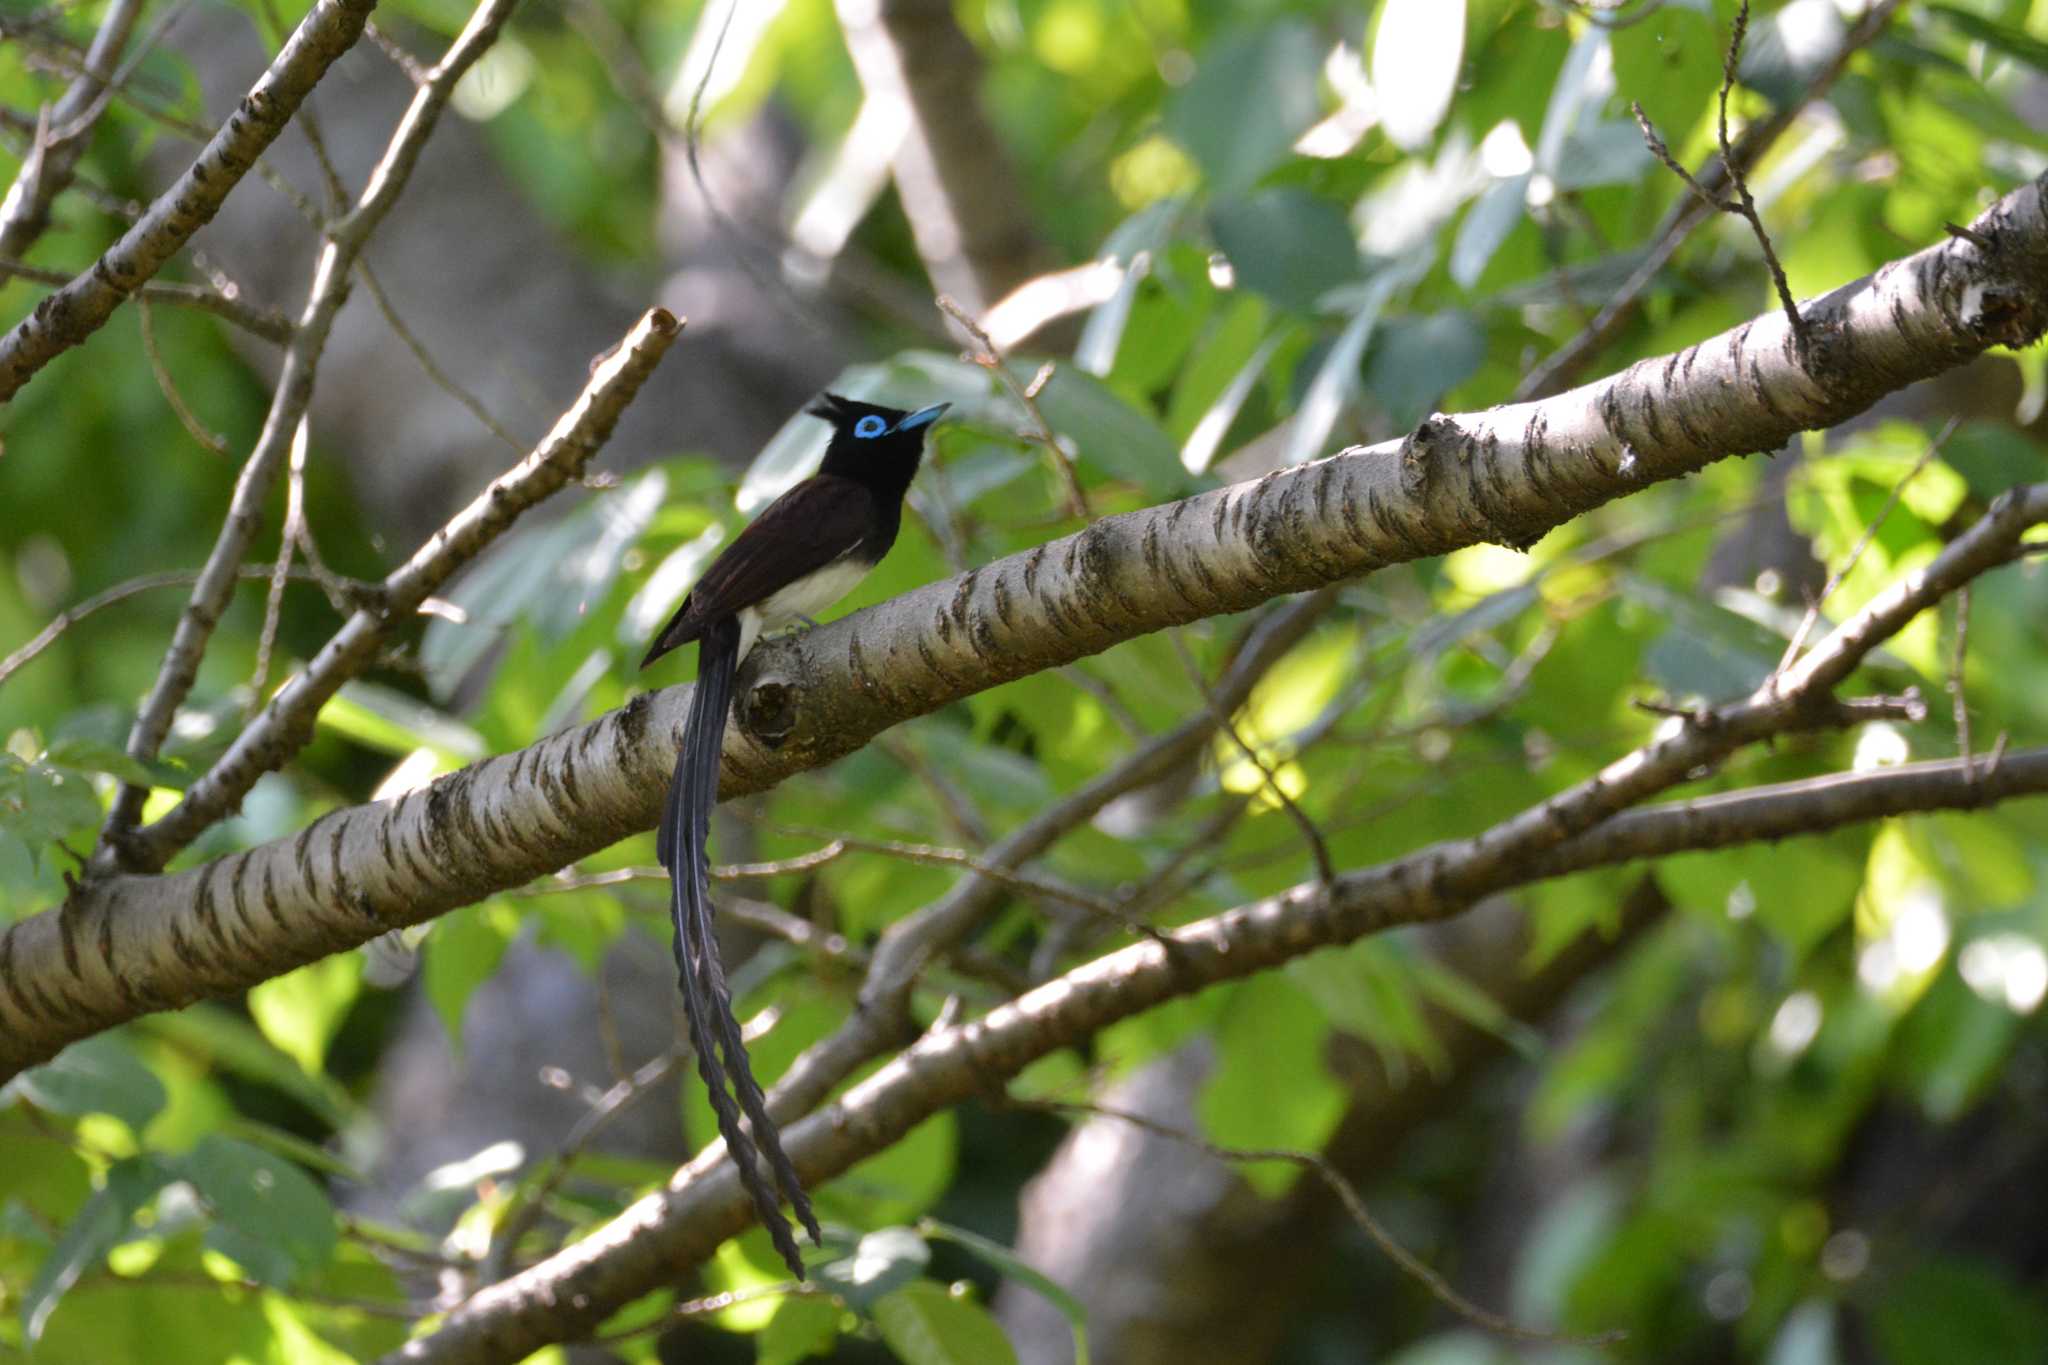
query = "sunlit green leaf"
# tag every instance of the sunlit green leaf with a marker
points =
(925, 1324)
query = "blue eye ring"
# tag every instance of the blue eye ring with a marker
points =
(869, 426)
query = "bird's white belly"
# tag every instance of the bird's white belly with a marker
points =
(804, 598)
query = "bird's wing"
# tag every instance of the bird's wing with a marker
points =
(822, 519)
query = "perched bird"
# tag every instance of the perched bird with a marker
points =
(803, 553)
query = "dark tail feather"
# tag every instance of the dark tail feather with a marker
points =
(707, 1000)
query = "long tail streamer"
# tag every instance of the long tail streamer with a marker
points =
(707, 999)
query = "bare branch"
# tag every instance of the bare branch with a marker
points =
(1571, 359)
(80, 308)
(294, 393)
(1855, 556)
(1319, 1166)
(169, 387)
(272, 327)
(120, 592)
(275, 734)
(989, 358)
(565, 1297)
(1501, 474)
(61, 135)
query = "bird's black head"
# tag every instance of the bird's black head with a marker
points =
(878, 446)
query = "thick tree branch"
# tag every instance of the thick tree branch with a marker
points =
(566, 1296)
(908, 945)
(71, 314)
(123, 945)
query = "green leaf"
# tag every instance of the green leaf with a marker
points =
(1111, 434)
(385, 719)
(94, 1076)
(1271, 1087)
(226, 1040)
(883, 1261)
(1236, 140)
(1949, 1310)
(300, 1010)
(1368, 990)
(544, 575)
(804, 1326)
(40, 805)
(102, 1223)
(460, 954)
(268, 1215)
(1498, 212)
(1143, 233)
(1577, 149)
(1331, 389)
(1706, 651)
(2009, 38)
(1806, 1337)
(901, 1181)
(1414, 362)
(1569, 1233)
(924, 1324)
(1007, 1263)
(1670, 63)
(1207, 436)
(97, 756)
(1289, 244)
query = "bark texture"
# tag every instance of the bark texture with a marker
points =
(125, 944)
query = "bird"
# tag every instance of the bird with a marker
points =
(805, 551)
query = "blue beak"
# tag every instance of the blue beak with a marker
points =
(923, 417)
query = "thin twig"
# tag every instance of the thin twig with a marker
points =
(1026, 396)
(1955, 674)
(410, 66)
(168, 387)
(346, 238)
(929, 855)
(440, 377)
(1560, 369)
(1318, 1165)
(555, 463)
(59, 137)
(953, 803)
(120, 592)
(1319, 849)
(287, 542)
(1745, 205)
(270, 326)
(1676, 167)
(689, 1309)
(530, 1197)
(83, 305)
(113, 85)
(1741, 205)
(1798, 640)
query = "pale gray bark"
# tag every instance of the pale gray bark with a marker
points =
(122, 945)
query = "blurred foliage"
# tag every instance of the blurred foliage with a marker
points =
(1335, 219)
